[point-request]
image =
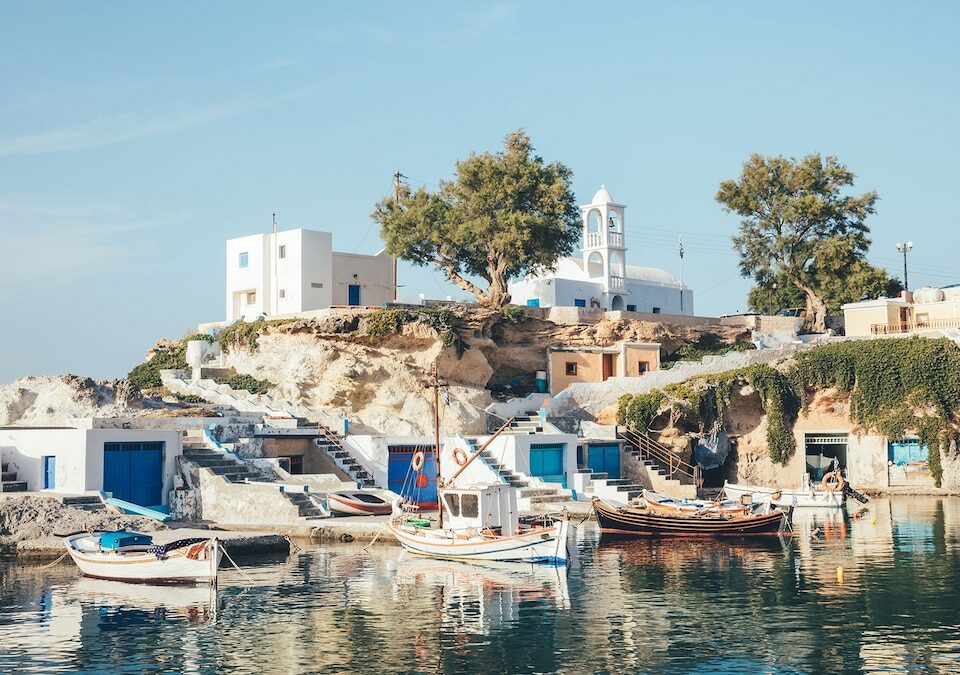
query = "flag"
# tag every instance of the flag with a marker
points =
(681, 248)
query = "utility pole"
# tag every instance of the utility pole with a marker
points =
(396, 200)
(681, 273)
(904, 249)
(436, 438)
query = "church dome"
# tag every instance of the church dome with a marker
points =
(602, 196)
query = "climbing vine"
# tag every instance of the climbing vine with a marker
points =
(246, 334)
(639, 410)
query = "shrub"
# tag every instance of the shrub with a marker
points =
(708, 344)
(146, 376)
(513, 314)
(248, 382)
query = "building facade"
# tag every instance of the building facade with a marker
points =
(297, 271)
(569, 365)
(600, 277)
(924, 310)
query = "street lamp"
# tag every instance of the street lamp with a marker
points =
(904, 248)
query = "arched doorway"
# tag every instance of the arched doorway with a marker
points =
(616, 303)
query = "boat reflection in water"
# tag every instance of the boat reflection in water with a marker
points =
(119, 601)
(480, 597)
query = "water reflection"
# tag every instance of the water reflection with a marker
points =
(623, 605)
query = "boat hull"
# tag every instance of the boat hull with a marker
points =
(546, 545)
(345, 505)
(640, 523)
(141, 566)
(788, 497)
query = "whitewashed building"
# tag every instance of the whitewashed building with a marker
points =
(601, 277)
(297, 271)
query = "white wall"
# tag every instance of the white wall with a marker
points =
(24, 448)
(645, 295)
(253, 277)
(374, 275)
(312, 273)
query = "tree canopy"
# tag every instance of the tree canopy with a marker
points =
(504, 215)
(799, 227)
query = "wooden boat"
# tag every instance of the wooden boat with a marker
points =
(799, 497)
(133, 557)
(357, 503)
(631, 520)
(659, 503)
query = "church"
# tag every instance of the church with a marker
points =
(600, 277)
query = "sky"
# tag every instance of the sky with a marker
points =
(135, 138)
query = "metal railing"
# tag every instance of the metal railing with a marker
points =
(660, 454)
(906, 327)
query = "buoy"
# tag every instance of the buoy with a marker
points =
(873, 521)
(840, 574)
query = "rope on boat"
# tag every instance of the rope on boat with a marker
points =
(296, 549)
(55, 562)
(377, 536)
(236, 566)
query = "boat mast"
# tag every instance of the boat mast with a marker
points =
(436, 439)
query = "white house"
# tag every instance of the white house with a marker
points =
(600, 277)
(136, 465)
(297, 271)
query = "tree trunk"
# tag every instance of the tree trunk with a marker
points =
(816, 307)
(498, 294)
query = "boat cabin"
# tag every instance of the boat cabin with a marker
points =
(481, 507)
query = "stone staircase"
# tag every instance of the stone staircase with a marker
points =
(537, 494)
(526, 424)
(331, 444)
(9, 481)
(197, 451)
(669, 475)
(618, 489)
(91, 503)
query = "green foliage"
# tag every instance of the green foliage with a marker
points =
(706, 345)
(797, 225)
(146, 376)
(513, 313)
(205, 337)
(383, 322)
(248, 382)
(855, 282)
(780, 405)
(188, 398)
(245, 334)
(638, 411)
(504, 215)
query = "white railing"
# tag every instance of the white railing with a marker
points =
(615, 238)
(617, 283)
(593, 239)
(913, 326)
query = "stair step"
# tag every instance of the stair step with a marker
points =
(13, 486)
(8, 476)
(603, 475)
(536, 492)
(618, 481)
(544, 499)
(81, 500)
(632, 487)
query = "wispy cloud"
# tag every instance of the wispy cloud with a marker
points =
(123, 128)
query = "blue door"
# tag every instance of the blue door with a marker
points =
(579, 302)
(418, 486)
(353, 295)
(605, 459)
(49, 472)
(546, 462)
(133, 472)
(908, 451)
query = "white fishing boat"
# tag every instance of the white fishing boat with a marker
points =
(476, 522)
(133, 557)
(804, 496)
(357, 503)
(480, 523)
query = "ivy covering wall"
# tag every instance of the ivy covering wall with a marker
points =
(896, 387)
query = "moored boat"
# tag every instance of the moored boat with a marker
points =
(678, 506)
(789, 497)
(133, 557)
(641, 521)
(357, 503)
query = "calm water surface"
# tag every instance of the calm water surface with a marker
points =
(621, 606)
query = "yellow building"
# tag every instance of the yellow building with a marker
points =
(569, 365)
(927, 309)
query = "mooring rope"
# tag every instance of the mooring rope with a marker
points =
(377, 536)
(55, 562)
(236, 566)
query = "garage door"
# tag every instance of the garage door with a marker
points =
(133, 472)
(604, 459)
(420, 486)
(546, 462)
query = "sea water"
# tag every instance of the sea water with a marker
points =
(872, 589)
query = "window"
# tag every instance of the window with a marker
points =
(282, 251)
(533, 302)
(251, 297)
(923, 319)
(571, 368)
(579, 303)
(316, 284)
(644, 366)
(656, 310)
(244, 259)
(453, 504)
(283, 293)
(469, 506)
(631, 308)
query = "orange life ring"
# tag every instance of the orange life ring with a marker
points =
(418, 460)
(833, 482)
(459, 456)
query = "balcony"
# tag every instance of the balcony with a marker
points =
(909, 327)
(617, 283)
(615, 239)
(593, 240)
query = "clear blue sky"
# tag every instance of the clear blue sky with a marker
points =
(136, 137)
